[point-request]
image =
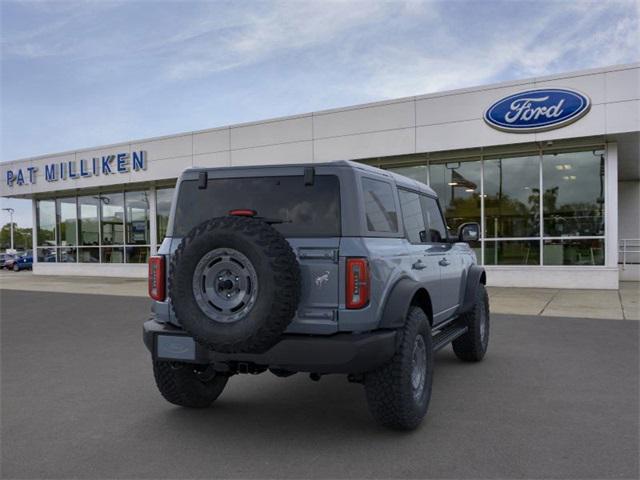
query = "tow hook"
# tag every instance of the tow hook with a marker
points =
(315, 377)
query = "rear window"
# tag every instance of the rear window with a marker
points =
(306, 210)
(380, 208)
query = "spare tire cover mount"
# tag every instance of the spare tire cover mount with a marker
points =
(225, 285)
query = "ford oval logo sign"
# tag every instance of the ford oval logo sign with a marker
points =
(537, 110)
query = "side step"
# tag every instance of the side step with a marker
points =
(447, 335)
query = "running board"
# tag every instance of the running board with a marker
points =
(447, 335)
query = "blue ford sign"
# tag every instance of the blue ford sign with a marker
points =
(537, 110)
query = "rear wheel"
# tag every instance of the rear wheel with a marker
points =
(472, 346)
(188, 385)
(16, 268)
(398, 394)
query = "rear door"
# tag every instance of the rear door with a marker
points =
(439, 251)
(423, 266)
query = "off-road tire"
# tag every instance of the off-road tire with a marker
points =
(389, 391)
(181, 384)
(278, 276)
(472, 346)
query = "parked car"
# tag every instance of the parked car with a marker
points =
(326, 268)
(23, 262)
(7, 263)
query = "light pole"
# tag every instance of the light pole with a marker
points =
(11, 211)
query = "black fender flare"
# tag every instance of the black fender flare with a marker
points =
(396, 308)
(475, 277)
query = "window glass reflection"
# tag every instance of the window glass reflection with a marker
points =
(112, 222)
(380, 209)
(573, 199)
(46, 218)
(67, 217)
(574, 252)
(512, 252)
(112, 255)
(163, 208)
(67, 255)
(46, 255)
(89, 255)
(512, 197)
(417, 172)
(458, 187)
(88, 220)
(137, 217)
(137, 254)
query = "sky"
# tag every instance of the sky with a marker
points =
(87, 73)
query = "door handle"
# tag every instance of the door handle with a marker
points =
(444, 262)
(418, 265)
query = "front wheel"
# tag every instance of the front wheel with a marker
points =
(16, 268)
(398, 394)
(188, 385)
(472, 346)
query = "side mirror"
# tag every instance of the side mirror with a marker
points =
(469, 232)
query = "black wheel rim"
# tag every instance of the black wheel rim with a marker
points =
(225, 285)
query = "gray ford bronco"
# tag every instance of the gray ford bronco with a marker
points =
(324, 268)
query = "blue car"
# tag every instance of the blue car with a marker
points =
(24, 262)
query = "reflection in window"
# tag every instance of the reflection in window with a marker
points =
(574, 252)
(46, 255)
(89, 255)
(573, 198)
(412, 216)
(433, 220)
(88, 220)
(137, 254)
(416, 172)
(512, 252)
(46, 218)
(379, 205)
(458, 187)
(67, 255)
(512, 197)
(137, 217)
(163, 208)
(67, 221)
(112, 255)
(112, 218)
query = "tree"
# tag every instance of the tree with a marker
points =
(21, 237)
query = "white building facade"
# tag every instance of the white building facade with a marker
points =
(549, 166)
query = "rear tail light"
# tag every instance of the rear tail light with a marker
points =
(156, 278)
(357, 282)
(242, 212)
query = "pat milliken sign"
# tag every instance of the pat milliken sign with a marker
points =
(537, 110)
(115, 164)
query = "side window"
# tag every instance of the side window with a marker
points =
(380, 208)
(437, 231)
(412, 216)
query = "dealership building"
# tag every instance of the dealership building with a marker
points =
(549, 166)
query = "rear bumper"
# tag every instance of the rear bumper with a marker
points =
(339, 353)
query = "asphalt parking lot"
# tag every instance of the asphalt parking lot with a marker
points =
(555, 398)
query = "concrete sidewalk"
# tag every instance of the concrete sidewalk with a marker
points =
(623, 304)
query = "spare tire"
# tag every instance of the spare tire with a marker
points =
(234, 283)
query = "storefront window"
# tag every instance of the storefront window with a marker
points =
(137, 254)
(458, 187)
(512, 197)
(46, 217)
(573, 198)
(46, 254)
(112, 218)
(512, 252)
(88, 221)
(574, 252)
(112, 255)
(417, 172)
(89, 255)
(67, 221)
(137, 218)
(163, 208)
